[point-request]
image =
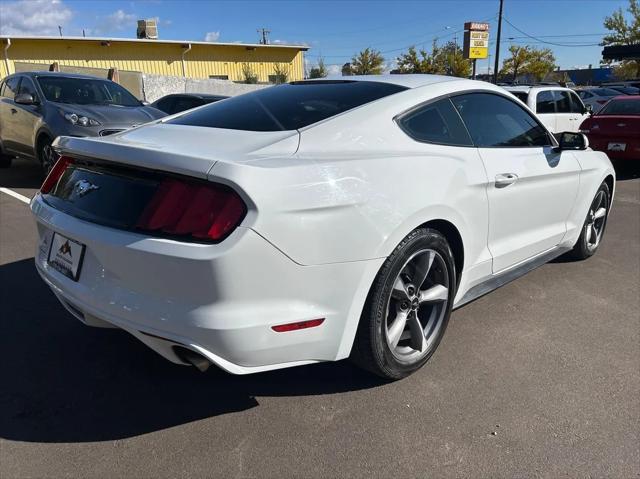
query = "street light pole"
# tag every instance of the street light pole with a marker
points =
(497, 61)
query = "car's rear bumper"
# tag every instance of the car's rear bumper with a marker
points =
(218, 300)
(631, 152)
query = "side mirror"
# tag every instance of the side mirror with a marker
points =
(569, 140)
(25, 99)
(588, 109)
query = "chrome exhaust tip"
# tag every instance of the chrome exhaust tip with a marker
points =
(193, 358)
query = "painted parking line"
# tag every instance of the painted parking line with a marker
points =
(17, 196)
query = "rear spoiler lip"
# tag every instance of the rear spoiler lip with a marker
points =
(136, 156)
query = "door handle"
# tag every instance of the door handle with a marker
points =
(505, 179)
(14, 111)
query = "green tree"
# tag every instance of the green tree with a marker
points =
(248, 76)
(528, 60)
(623, 32)
(319, 71)
(414, 61)
(450, 60)
(281, 73)
(367, 62)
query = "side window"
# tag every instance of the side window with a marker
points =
(437, 122)
(576, 104)
(26, 86)
(495, 121)
(563, 102)
(185, 103)
(166, 104)
(11, 87)
(545, 102)
(584, 94)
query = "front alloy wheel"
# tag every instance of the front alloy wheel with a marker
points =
(594, 225)
(408, 307)
(48, 157)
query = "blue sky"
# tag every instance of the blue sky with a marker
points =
(333, 29)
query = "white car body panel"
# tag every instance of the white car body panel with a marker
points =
(326, 206)
(555, 122)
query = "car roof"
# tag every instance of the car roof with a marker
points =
(412, 80)
(204, 96)
(58, 74)
(527, 88)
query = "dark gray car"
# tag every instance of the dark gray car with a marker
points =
(37, 107)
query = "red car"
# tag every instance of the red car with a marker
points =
(615, 128)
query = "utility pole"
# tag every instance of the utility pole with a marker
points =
(497, 62)
(263, 35)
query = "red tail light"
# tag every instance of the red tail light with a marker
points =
(203, 211)
(55, 174)
(284, 328)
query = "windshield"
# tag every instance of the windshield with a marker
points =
(85, 91)
(621, 107)
(287, 107)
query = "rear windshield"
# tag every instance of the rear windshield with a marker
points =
(621, 107)
(604, 92)
(85, 91)
(287, 107)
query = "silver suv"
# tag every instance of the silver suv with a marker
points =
(37, 107)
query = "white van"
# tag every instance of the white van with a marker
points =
(559, 108)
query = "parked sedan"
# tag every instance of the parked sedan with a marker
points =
(615, 129)
(596, 97)
(176, 103)
(36, 107)
(315, 221)
(625, 90)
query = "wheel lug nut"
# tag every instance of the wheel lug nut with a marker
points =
(404, 305)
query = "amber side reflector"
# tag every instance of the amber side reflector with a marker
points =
(283, 328)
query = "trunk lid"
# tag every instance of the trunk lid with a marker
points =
(186, 150)
(618, 126)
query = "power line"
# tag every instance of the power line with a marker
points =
(550, 43)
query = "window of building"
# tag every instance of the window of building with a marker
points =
(219, 77)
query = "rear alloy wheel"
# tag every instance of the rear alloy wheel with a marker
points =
(47, 156)
(594, 225)
(408, 308)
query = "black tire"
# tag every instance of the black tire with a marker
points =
(46, 155)
(5, 161)
(584, 247)
(371, 349)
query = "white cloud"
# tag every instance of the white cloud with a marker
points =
(212, 36)
(36, 17)
(278, 42)
(116, 21)
(334, 69)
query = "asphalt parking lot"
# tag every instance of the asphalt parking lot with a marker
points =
(538, 379)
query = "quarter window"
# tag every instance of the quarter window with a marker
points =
(563, 102)
(495, 121)
(545, 102)
(436, 123)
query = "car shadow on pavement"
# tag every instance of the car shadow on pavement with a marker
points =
(626, 171)
(61, 381)
(22, 174)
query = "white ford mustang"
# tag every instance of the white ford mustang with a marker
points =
(314, 221)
